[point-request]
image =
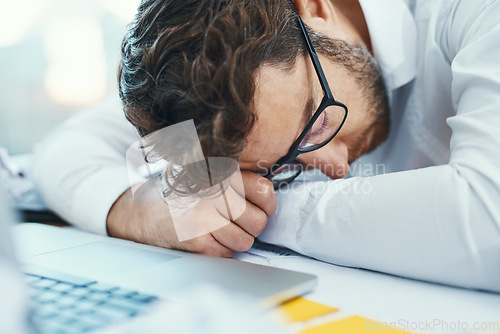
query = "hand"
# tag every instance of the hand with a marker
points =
(144, 217)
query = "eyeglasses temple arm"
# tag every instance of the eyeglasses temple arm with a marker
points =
(315, 60)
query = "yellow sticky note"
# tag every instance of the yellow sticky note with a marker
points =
(302, 309)
(351, 325)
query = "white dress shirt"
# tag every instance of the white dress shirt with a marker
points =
(425, 204)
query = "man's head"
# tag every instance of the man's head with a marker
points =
(240, 70)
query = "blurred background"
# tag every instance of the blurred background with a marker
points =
(57, 58)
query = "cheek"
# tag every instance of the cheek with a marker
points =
(357, 122)
(332, 159)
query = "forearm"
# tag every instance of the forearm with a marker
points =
(80, 169)
(120, 219)
(428, 224)
(142, 217)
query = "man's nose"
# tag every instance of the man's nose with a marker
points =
(332, 160)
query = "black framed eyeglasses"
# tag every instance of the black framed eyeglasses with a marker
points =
(324, 125)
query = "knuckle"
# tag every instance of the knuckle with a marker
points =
(219, 251)
(197, 245)
(202, 245)
(226, 253)
(200, 249)
(203, 251)
(260, 223)
(265, 188)
(211, 250)
(267, 196)
(245, 243)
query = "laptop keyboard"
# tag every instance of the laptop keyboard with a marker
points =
(62, 303)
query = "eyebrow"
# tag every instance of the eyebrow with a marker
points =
(307, 114)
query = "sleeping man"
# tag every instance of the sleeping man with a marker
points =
(396, 102)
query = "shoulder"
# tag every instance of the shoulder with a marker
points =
(468, 21)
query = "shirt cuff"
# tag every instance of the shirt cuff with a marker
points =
(283, 225)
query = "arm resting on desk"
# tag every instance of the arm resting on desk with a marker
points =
(440, 223)
(80, 169)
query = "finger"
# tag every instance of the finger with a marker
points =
(245, 214)
(259, 191)
(234, 237)
(217, 249)
(207, 245)
(253, 220)
(229, 203)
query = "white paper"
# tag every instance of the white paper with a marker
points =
(14, 177)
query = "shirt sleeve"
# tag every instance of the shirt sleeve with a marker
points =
(439, 223)
(80, 169)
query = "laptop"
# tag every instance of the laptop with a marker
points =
(81, 282)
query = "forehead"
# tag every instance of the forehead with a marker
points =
(279, 101)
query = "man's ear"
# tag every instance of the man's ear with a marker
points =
(314, 10)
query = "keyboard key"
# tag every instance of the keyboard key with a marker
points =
(79, 292)
(98, 296)
(127, 304)
(102, 317)
(115, 308)
(87, 304)
(35, 270)
(93, 320)
(87, 325)
(123, 293)
(68, 320)
(47, 296)
(81, 306)
(67, 302)
(34, 293)
(66, 313)
(43, 283)
(62, 287)
(102, 287)
(45, 313)
(90, 329)
(143, 298)
(84, 311)
(43, 327)
(47, 308)
(53, 325)
(31, 279)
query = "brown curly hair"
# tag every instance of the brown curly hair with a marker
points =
(196, 59)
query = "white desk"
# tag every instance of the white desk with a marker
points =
(388, 298)
(425, 307)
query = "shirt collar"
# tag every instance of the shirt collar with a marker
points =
(393, 33)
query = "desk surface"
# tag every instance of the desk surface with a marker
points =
(421, 306)
(393, 299)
